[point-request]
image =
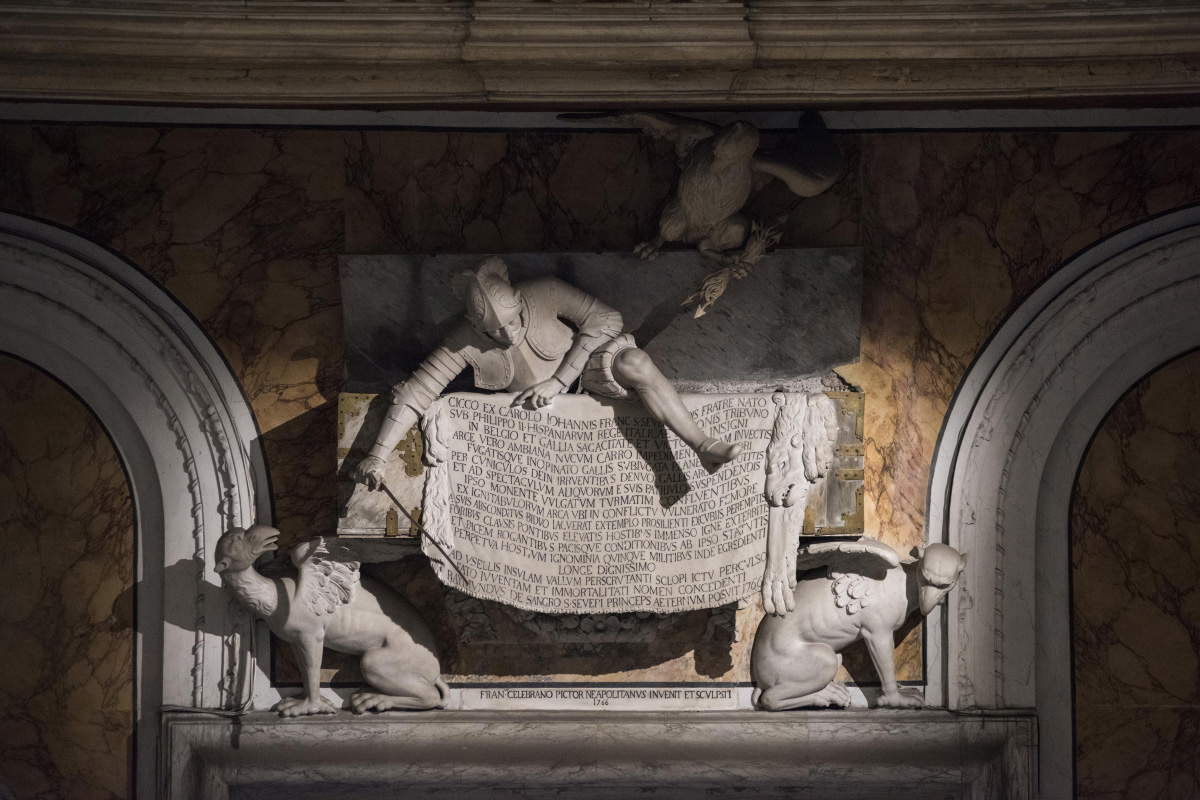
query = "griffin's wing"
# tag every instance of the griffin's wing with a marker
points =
(862, 556)
(811, 165)
(328, 575)
(683, 132)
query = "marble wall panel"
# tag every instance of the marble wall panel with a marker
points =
(243, 227)
(959, 228)
(66, 602)
(1135, 553)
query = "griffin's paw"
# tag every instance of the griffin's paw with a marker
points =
(362, 702)
(647, 250)
(303, 706)
(835, 695)
(907, 697)
(777, 596)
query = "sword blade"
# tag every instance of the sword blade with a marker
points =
(422, 529)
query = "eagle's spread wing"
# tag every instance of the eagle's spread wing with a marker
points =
(328, 575)
(683, 132)
(865, 556)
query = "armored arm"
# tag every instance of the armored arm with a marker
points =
(410, 400)
(596, 322)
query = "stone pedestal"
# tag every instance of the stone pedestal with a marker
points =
(828, 754)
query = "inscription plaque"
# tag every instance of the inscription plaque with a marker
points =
(591, 507)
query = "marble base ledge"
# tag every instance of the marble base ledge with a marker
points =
(466, 755)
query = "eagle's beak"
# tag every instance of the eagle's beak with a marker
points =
(930, 597)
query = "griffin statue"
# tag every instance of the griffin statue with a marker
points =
(846, 591)
(330, 604)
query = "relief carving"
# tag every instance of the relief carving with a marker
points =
(720, 167)
(515, 339)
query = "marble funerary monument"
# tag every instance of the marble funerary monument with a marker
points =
(656, 501)
(586, 494)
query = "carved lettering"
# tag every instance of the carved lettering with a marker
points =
(593, 507)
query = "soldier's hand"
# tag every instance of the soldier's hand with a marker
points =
(539, 395)
(370, 472)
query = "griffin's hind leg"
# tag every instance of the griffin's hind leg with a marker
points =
(798, 674)
(785, 697)
(398, 681)
(366, 700)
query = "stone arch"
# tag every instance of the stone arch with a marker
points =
(1007, 458)
(184, 432)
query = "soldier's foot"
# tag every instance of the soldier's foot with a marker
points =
(714, 452)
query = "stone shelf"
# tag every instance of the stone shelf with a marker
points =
(827, 754)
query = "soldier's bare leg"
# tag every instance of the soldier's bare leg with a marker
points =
(637, 372)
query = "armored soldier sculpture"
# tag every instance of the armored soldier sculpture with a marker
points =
(515, 339)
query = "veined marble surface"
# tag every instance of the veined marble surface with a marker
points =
(1135, 539)
(850, 755)
(66, 607)
(244, 227)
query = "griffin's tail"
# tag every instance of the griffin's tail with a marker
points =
(443, 691)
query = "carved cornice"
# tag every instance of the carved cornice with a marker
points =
(497, 53)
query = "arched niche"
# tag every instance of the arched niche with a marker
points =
(184, 433)
(1007, 458)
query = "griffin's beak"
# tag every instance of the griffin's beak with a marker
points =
(930, 597)
(266, 540)
(221, 566)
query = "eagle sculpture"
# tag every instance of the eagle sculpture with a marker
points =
(719, 168)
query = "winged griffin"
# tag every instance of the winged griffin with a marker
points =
(331, 604)
(847, 591)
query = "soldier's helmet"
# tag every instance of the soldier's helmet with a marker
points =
(492, 302)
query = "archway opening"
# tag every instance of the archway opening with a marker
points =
(186, 437)
(67, 600)
(1135, 608)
